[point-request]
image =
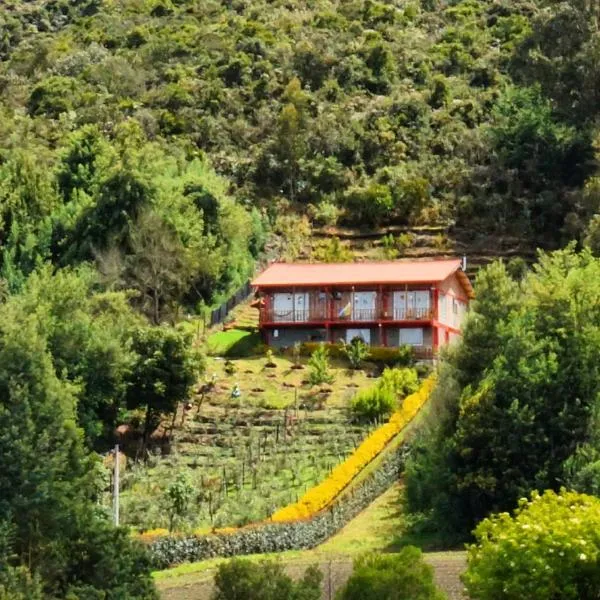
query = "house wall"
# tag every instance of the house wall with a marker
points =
(452, 303)
(285, 337)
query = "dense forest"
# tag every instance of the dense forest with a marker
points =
(151, 151)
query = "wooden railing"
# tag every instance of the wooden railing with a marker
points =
(339, 315)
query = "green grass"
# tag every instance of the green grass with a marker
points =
(232, 343)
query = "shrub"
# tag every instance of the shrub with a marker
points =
(243, 580)
(356, 352)
(319, 366)
(401, 382)
(373, 404)
(550, 548)
(402, 576)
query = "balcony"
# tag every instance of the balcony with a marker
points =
(338, 315)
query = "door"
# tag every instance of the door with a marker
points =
(365, 334)
(399, 305)
(364, 306)
(301, 306)
(421, 305)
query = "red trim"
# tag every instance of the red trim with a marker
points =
(435, 342)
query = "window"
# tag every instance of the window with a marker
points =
(411, 336)
(442, 302)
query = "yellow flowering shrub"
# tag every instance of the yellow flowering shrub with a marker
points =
(151, 535)
(318, 497)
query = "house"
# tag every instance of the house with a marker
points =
(419, 303)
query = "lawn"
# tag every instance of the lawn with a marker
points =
(245, 457)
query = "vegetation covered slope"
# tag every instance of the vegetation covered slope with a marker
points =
(474, 112)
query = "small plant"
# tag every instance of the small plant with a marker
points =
(319, 367)
(296, 352)
(270, 364)
(179, 497)
(230, 367)
(389, 249)
(356, 352)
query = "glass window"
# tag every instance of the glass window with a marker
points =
(412, 336)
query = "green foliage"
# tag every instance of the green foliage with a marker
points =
(241, 579)
(164, 371)
(373, 404)
(548, 549)
(331, 251)
(356, 352)
(523, 382)
(401, 382)
(54, 526)
(401, 576)
(378, 402)
(179, 496)
(318, 365)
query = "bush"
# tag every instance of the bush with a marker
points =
(550, 548)
(379, 401)
(402, 356)
(401, 382)
(243, 580)
(402, 576)
(373, 404)
(319, 366)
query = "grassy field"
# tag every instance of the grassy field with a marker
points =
(245, 457)
(372, 530)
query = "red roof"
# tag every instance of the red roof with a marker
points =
(366, 273)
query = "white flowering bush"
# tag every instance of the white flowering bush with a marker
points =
(549, 550)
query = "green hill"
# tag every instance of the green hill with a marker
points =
(474, 115)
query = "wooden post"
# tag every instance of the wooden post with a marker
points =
(116, 486)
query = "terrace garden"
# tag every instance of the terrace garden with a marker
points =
(254, 438)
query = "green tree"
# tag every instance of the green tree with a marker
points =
(179, 495)
(48, 490)
(356, 352)
(164, 370)
(402, 576)
(318, 365)
(549, 550)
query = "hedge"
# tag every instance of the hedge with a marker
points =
(268, 537)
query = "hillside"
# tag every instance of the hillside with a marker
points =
(363, 113)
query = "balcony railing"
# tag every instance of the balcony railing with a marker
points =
(412, 314)
(338, 315)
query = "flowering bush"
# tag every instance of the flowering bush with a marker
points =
(323, 494)
(549, 549)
